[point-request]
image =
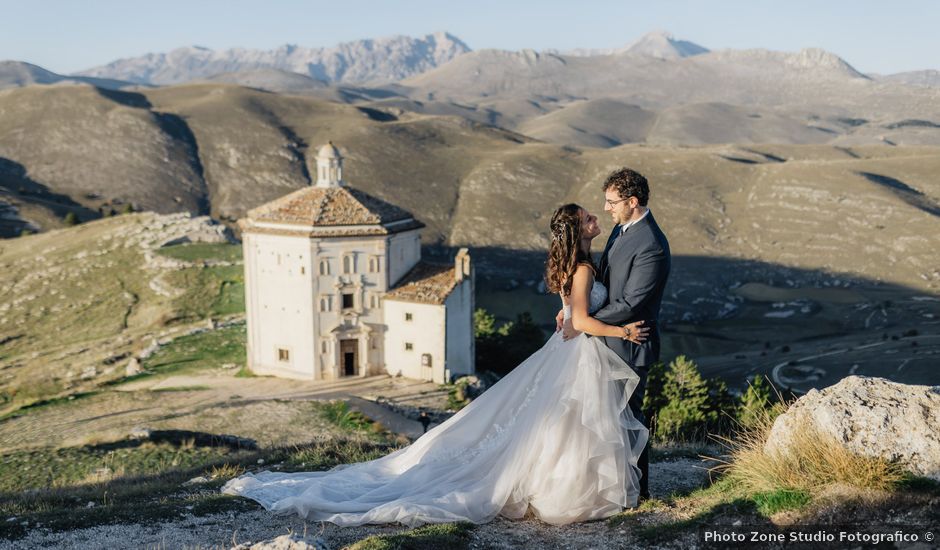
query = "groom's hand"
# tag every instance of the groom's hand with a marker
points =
(567, 330)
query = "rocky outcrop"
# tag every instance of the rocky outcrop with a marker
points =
(872, 417)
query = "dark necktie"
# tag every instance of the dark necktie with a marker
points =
(602, 269)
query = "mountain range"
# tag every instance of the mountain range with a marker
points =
(384, 59)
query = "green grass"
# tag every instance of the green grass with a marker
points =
(453, 536)
(771, 502)
(208, 292)
(194, 252)
(339, 414)
(191, 353)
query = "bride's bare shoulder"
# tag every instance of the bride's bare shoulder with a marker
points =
(588, 265)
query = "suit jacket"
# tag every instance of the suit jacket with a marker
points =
(634, 268)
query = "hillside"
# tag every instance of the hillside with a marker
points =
(222, 149)
(83, 299)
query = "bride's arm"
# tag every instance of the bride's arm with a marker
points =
(580, 298)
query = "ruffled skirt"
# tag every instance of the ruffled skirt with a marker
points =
(554, 435)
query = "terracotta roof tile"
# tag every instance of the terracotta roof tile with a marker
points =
(329, 210)
(328, 206)
(426, 283)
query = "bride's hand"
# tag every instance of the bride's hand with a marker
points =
(635, 332)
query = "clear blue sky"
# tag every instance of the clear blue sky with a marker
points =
(70, 35)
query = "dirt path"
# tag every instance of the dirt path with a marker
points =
(213, 402)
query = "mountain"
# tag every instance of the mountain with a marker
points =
(14, 74)
(756, 96)
(272, 80)
(658, 44)
(384, 59)
(928, 78)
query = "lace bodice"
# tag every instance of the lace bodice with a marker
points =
(598, 298)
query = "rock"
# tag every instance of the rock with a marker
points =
(139, 433)
(133, 367)
(872, 417)
(286, 542)
(196, 481)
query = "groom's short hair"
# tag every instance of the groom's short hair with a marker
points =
(628, 183)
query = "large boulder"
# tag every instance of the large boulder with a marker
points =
(872, 417)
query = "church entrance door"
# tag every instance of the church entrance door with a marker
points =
(348, 351)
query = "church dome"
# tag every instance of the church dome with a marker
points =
(328, 151)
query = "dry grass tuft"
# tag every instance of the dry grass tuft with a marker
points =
(812, 462)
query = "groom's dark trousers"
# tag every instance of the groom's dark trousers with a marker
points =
(634, 268)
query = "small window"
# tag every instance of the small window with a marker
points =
(374, 265)
(283, 355)
(374, 301)
(409, 346)
(409, 317)
(302, 270)
(324, 267)
(347, 301)
(326, 303)
(324, 346)
(425, 359)
(349, 264)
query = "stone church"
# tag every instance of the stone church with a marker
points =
(335, 287)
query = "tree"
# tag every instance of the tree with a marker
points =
(500, 349)
(756, 403)
(687, 410)
(128, 208)
(653, 398)
(71, 219)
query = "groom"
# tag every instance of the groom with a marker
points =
(634, 268)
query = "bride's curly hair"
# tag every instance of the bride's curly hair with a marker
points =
(564, 254)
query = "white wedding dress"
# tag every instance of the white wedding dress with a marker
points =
(555, 434)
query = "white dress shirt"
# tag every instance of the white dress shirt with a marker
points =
(623, 227)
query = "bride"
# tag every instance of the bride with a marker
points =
(554, 435)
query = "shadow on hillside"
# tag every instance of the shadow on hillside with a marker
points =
(904, 192)
(737, 318)
(15, 182)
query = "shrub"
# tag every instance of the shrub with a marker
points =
(501, 349)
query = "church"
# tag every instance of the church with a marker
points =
(335, 287)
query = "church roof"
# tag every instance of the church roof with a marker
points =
(328, 151)
(333, 208)
(426, 283)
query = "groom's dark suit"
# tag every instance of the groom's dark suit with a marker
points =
(634, 268)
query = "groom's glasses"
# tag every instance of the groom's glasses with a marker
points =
(614, 203)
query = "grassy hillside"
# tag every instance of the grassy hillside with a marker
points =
(84, 300)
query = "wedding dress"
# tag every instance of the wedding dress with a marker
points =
(554, 435)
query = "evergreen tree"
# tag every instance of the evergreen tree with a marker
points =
(755, 402)
(687, 410)
(653, 398)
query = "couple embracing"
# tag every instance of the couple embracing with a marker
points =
(562, 437)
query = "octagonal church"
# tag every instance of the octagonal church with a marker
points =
(335, 287)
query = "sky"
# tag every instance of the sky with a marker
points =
(65, 36)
